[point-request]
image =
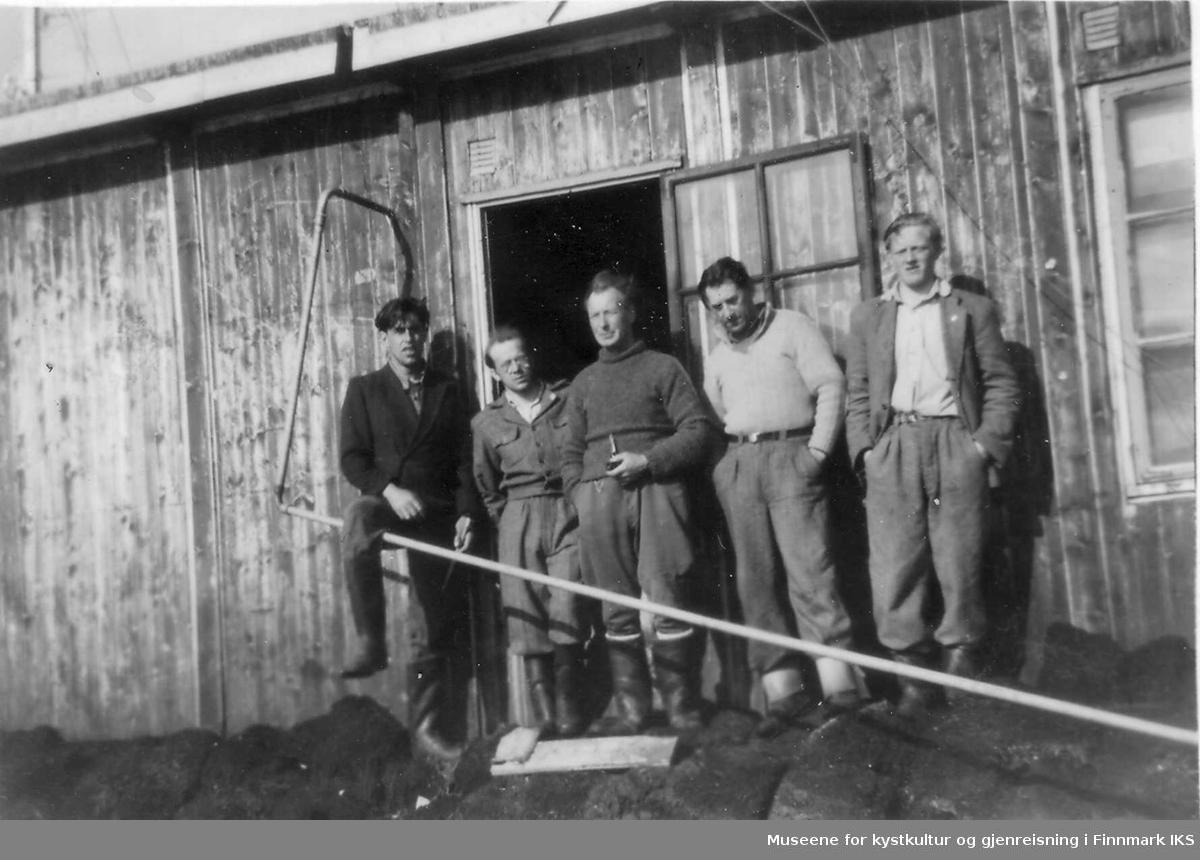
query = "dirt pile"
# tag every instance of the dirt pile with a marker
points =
(981, 759)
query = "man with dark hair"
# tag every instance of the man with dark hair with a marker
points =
(518, 441)
(405, 444)
(930, 411)
(775, 384)
(636, 428)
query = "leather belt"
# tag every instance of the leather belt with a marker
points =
(769, 436)
(914, 417)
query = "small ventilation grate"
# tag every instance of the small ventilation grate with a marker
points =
(1102, 28)
(483, 155)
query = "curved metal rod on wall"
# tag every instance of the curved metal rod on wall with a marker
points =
(314, 265)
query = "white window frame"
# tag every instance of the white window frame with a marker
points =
(1141, 480)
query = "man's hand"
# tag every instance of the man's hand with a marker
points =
(464, 534)
(818, 455)
(405, 503)
(983, 452)
(628, 467)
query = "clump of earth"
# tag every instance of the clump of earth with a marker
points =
(980, 759)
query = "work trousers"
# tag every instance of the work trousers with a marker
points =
(777, 507)
(636, 542)
(439, 603)
(926, 493)
(540, 534)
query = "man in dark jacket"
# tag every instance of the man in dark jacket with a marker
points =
(931, 400)
(405, 444)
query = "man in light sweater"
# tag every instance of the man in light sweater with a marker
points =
(636, 427)
(775, 384)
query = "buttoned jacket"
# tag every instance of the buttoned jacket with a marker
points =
(384, 441)
(514, 458)
(985, 387)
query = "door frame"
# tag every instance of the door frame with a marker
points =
(477, 205)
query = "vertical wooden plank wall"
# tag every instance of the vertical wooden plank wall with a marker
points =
(963, 120)
(286, 623)
(97, 612)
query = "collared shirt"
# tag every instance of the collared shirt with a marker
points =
(781, 376)
(515, 458)
(530, 411)
(922, 375)
(414, 386)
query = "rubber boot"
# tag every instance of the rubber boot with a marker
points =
(917, 698)
(370, 656)
(787, 701)
(369, 610)
(842, 690)
(962, 662)
(427, 693)
(568, 690)
(539, 680)
(631, 684)
(673, 670)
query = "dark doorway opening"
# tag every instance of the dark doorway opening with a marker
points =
(542, 253)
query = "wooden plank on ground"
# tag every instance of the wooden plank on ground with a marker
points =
(593, 754)
(516, 746)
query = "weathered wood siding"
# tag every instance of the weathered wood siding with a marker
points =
(285, 625)
(96, 606)
(150, 310)
(964, 120)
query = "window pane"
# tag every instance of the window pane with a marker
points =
(1157, 128)
(827, 297)
(1164, 286)
(717, 217)
(1170, 403)
(811, 210)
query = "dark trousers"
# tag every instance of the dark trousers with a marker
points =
(926, 494)
(636, 541)
(539, 534)
(439, 607)
(775, 502)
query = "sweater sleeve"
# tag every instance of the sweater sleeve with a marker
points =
(822, 376)
(695, 431)
(575, 442)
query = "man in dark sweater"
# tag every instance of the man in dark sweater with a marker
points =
(636, 427)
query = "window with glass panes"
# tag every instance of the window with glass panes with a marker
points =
(797, 218)
(1147, 184)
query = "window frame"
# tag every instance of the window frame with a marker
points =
(867, 259)
(1140, 478)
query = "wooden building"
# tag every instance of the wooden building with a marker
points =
(153, 242)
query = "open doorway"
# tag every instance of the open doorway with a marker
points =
(542, 253)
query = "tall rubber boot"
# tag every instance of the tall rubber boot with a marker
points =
(427, 694)
(568, 690)
(842, 690)
(787, 701)
(917, 698)
(539, 680)
(673, 669)
(369, 611)
(631, 684)
(961, 661)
